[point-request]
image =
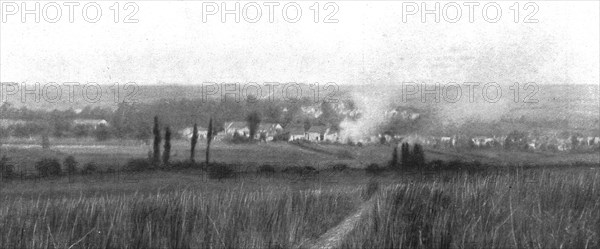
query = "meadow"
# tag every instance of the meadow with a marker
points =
(115, 154)
(501, 208)
(514, 200)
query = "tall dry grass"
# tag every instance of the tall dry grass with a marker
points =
(268, 218)
(532, 209)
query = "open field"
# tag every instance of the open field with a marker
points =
(552, 206)
(114, 154)
(534, 208)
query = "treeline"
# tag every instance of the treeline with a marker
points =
(55, 123)
(133, 120)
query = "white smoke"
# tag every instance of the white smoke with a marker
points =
(372, 110)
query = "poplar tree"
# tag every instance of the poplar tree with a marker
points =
(167, 150)
(405, 157)
(156, 147)
(209, 137)
(194, 142)
(394, 162)
(418, 156)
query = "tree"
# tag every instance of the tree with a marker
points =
(70, 165)
(194, 142)
(394, 161)
(253, 121)
(156, 130)
(574, 141)
(48, 167)
(167, 150)
(329, 115)
(7, 169)
(405, 156)
(273, 114)
(307, 124)
(263, 136)
(102, 133)
(89, 168)
(80, 131)
(209, 137)
(418, 156)
(142, 132)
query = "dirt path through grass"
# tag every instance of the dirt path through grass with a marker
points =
(334, 236)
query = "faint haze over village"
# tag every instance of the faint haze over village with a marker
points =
(369, 45)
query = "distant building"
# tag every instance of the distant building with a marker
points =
(268, 130)
(94, 123)
(271, 128)
(296, 133)
(241, 128)
(316, 133)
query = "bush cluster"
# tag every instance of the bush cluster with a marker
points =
(268, 169)
(219, 171)
(7, 169)
(48, 167)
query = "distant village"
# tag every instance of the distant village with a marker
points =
(132, 123)
(269, 132)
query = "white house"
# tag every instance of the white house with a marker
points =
(188, 132)
(269, 130)
(241, 128)
(90, 122)
(296, 133)
(316, 133)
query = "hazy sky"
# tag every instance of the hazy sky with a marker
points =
(369, 44)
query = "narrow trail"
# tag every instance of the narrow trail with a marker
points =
(333, 237)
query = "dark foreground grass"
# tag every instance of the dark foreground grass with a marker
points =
(538, 209)
(269, 218)
(534, 208)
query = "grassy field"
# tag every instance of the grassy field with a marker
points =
(172, 210)
(534, 208)
(498, 207)
(115, 154)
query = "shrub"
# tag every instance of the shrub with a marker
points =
(48, 167)
(187, 164)
(138, 164)
(340, 167)
(455, 165)
(299, 170)
(373, 168)
(310, 168)
(89, 168)
(437, 164)
(102, 132)
(238, 139)
(70, 165)
(293, 170)
(219, 171)
(266, 169)
(7, 170)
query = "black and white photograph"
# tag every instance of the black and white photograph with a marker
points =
(314, 124)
